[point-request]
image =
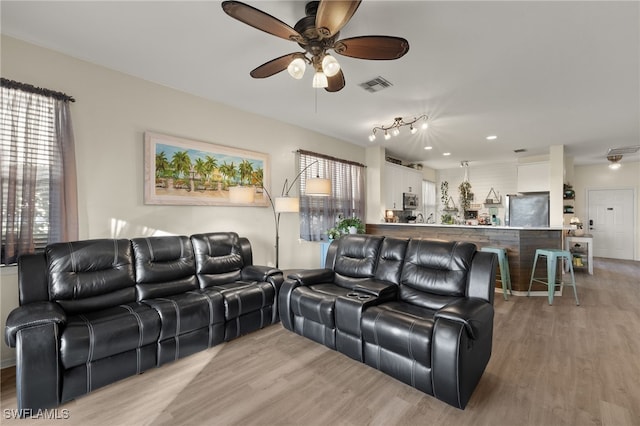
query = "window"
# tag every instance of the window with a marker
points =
(318, 214)
(35, 151)
(429, 205)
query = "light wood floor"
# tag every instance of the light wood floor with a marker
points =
(551, 365)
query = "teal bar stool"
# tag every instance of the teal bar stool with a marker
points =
(552, 256)
(503, 263)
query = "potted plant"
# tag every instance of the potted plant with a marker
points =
(351, 225)
(466, 196)
(347, 225)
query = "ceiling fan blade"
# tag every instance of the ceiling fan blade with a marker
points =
(336, 83)
(274, 66)
(260, 20)
(332, 15)
(372, 47)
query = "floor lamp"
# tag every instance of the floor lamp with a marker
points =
(315, 187)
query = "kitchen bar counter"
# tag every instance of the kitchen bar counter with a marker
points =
(520, 243)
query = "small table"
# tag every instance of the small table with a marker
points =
(587, 239)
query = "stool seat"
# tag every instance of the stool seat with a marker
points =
(552, 256)
(503, 263)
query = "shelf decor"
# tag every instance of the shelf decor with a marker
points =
(492, 197)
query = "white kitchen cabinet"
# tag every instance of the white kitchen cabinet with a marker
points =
(533, 177)
(398, 180)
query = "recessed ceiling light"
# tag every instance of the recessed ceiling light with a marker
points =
(492, 137)
(428, 147)
(446, 153)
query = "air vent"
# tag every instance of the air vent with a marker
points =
(375, 85)
(621, 151)
(519, 150)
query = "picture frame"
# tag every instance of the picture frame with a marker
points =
(179, 171)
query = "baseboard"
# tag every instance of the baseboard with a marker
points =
(6, 363)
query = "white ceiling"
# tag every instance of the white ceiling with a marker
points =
(533, 73)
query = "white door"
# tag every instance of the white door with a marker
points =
(611, 222)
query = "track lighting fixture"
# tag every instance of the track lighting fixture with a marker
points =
(398, 122)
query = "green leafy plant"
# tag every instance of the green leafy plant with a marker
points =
(466, 196)
(343, 225)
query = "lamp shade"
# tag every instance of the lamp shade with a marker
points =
(287, 204)
(242, 194)
(318, 187)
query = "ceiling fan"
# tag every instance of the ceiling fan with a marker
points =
(317, 33)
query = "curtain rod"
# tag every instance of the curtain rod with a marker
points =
(328, 157)
(11, 84)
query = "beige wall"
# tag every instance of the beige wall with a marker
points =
(112, 112)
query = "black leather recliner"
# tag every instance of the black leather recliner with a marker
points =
(96, 311)
(418, 310)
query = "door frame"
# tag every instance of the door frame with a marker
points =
(634, 205)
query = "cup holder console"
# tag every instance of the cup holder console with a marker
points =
(359, 296)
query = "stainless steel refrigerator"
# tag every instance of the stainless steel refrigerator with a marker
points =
(527, 210)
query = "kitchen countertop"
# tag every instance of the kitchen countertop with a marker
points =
(545, 228)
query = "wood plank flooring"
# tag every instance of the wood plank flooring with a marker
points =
(551, 365)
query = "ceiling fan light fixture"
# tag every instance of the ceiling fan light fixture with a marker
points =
(614, 161)
(320, 80)
(330, 66)
(296, 68)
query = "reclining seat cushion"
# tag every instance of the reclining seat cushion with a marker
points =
(93, 282)
(220, 258)
(355, 263)
(434, 272)
(165, 280)
(95, 335)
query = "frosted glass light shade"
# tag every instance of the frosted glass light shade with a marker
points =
(242, 194)
(320, 80)
(330, 66)
(296, 68)
(287, 204)
(318, 187)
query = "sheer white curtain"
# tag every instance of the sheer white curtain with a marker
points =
(37, 170)
(318, 214)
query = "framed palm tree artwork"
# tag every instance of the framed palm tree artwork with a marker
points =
(179, 171)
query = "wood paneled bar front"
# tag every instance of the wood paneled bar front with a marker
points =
(520, 243)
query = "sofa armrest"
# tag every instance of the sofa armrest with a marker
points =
(476, 315)
(259, 273)
(32, 315)
(383, 289)
(313, 276)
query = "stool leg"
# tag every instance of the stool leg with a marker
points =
(551, 277)
(533, 271)
(502, 278)
(573, 281)
(508, 274)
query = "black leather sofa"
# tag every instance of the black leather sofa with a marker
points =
(96, 311)
(418, 310)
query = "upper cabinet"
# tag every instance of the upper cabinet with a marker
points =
(533, 177)
(398, 180)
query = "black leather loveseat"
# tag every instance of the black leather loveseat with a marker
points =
(93, 312)
(418, 310)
